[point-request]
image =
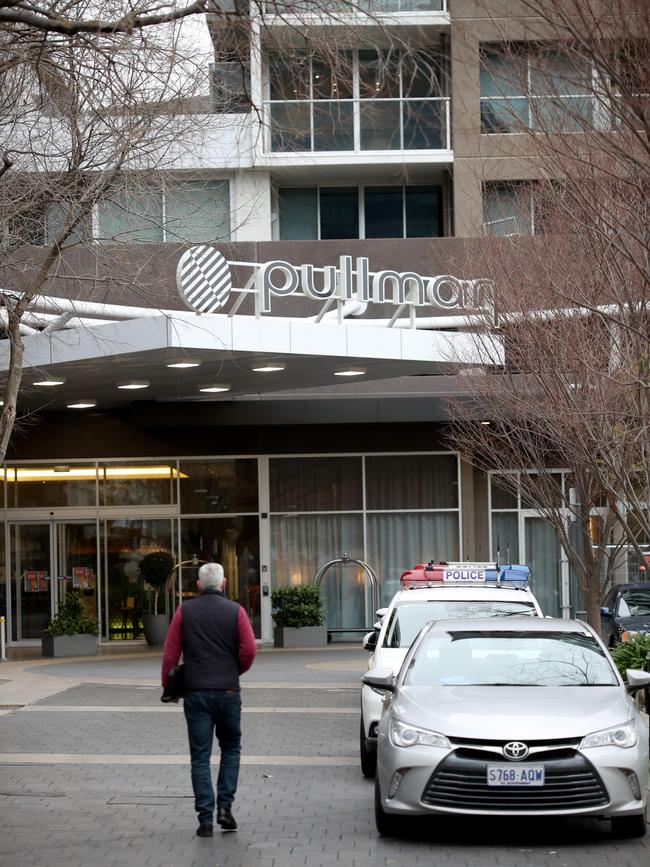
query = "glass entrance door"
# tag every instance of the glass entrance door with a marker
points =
(75, 555)
(543, 555)
(127, 596)
(47, 560)
(32, 604)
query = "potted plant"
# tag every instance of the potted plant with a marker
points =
(71, 632)
(298, 617)
(156, 568)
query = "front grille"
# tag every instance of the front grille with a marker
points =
(548, 742)
(460, 782)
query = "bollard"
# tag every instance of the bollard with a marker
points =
(3, 655)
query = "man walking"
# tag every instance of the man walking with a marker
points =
(218, 644)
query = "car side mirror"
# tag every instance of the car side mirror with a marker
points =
(370, 641)
(605, 611)
(381, 612)
(636, 679)
(381, 680)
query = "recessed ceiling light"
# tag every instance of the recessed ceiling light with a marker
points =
(352, 371)
(51, 381)
(269, 366)
(184, 363)
(134, 384)
(82, 404)
(215, 388)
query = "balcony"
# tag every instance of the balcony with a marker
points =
(358, 125)
(372, 7)
(358, 101)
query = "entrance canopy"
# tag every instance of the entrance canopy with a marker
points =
(94, 362)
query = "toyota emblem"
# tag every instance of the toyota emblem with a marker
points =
(515, 751)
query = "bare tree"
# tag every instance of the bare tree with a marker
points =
(82, 116)
(573, 304)
(116, 16)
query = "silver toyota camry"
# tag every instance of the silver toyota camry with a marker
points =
(528, 718)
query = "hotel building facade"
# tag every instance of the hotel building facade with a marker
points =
(284, 427)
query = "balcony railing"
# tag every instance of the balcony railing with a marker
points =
(354, 125)
(373, 7)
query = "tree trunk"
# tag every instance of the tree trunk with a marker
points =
(593, 599)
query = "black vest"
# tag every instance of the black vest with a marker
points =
(210, 642)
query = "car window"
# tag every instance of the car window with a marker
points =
(637, 602)
(408, 618)
(622, 609)
(510, 659)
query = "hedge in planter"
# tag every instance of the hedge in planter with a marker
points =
(298, 617)
(71, 632)
(631, 653)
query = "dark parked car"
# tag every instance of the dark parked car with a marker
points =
(626, 608)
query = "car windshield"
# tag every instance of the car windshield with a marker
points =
(633, 603)
(408, 618)
(510, 659)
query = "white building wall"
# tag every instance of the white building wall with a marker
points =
(250, 202)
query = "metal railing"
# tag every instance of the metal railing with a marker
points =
(372, 7)
(358, 125)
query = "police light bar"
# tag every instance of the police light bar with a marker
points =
(513, 576)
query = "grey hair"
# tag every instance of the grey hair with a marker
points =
(211, 576)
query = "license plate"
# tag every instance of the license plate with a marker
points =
(515, 775)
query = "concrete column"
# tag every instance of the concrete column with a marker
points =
(251, 206)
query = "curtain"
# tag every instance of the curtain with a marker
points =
(543, 558)
(397, 542)
(505, 536)
(301, 544)
(412, 482)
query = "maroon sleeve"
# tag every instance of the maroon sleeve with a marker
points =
(173, 645)
(247, 645)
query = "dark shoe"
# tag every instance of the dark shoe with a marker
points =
(204, 831)
(226, 819)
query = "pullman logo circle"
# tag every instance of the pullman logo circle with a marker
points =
(203, 279)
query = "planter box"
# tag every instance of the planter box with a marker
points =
(300, 636)
(155, 629)
(69, 645)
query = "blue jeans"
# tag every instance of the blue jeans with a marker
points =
(213, 712)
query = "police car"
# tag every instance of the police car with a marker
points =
(435, 591)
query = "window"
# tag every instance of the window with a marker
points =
(508, 208)
(197, 211)
(358, 100)
(230, 73)
(534, 86)
(180, 211)
(351, 212)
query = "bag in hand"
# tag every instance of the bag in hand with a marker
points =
(175, 687)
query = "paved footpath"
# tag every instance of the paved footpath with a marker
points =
(94, 771)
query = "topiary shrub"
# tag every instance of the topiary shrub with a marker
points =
(631, 653)
(156, 568)
(298, 606)
(72, 618)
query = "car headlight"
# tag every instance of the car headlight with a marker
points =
(625, 736)
(404, 735)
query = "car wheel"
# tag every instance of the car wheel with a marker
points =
(368, 757)
(387, 824)
(629, 826)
